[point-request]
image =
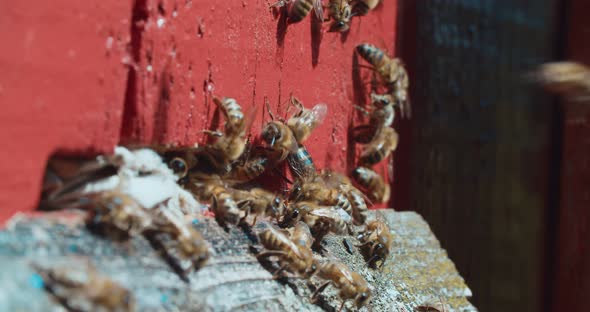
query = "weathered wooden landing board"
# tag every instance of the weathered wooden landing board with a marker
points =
(233, 280)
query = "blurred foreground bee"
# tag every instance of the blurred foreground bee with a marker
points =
(300, 9)
(354, 195)
(85, 289)
(305, 121)
(118, 215)
(188, 243)
(384, 142)
(362, 7)
(374, 185)
(568, 78)
(351, 284)
(392, 72)
(341, 14)
(377, 239)
(293, 258)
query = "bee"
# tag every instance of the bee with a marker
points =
(315, 190)
(341, 13)
(293, 258)
(280, 138)
(230, 143)
(252, 164)
(301, 8)
(300, 163)
(392, 72)
(320, 219)
(301, 234)
(188, 243)
(381, 116)
(305, 121)
(375, 186)
(259, 202)
(354, 195)
(85, 289)
(222, 202)
(568, 78)
(377, 239)
(362, 7)
(384, 142)
(351, 284)
(118, 215)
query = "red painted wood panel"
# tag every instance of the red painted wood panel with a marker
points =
(572, 267)
(61, 87)
(72, 91)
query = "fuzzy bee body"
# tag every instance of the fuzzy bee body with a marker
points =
(374, 185)
(301, 164)
(295, 258)
(301, 8)
(377, 239)
(341, 14)
(384, 142)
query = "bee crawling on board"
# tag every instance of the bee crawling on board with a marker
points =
(295, 258)
(259, 202)
(80, 287)
(187, 247)
(351, 285)
(314, 189)
(374, 186)
(392, 74)
(215, 191)
(376, 239)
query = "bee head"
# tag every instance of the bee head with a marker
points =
(271, 133)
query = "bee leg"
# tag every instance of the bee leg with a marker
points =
(341, 306)
(270, 253)
(254, 221)
(362, 109)
(319, 290)
(363, 244)
(213, 133)
(278, 272)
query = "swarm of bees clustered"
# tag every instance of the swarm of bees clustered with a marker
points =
(340, 12)
(156, 191)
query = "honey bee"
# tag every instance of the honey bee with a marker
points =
(222, 202)
(293, 258)
(280, 138)
(320, 219)
(354, 195)
(300, 163)
(377, 239)
(362, 7)
(301, 235)
(351, 284)
(374, 185)
(188, 243)
(341, 13)
(301, 8)
(118, 214)
(259, 202)
(85, 289)
(568, 78)
(392, 72)
(252, 164)
(305, 121)
(230, 143)
(384, 142)
(315, 190)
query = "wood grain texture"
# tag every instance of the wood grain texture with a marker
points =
(417, 270)
(479, 157)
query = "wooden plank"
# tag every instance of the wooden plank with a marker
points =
(479, 156)
(417, 270)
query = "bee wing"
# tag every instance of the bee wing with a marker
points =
(332, 213)
(249, 117)
(319, 112)
(318, 9)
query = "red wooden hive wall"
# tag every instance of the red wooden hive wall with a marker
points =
(78, 77)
